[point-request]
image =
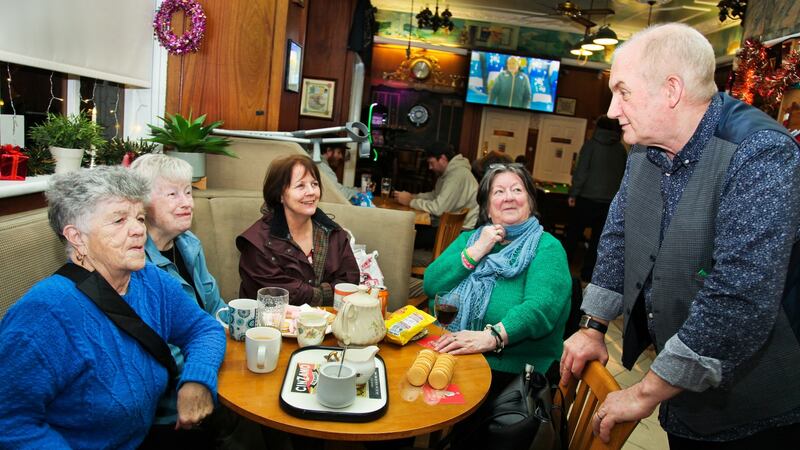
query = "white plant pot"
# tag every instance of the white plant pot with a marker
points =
(67, 159)
(196, 160)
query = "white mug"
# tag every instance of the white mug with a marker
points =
(336, 387)
(340, 291)
(262, 346)
(242, 314)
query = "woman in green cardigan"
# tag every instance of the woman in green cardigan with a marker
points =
(512, 280)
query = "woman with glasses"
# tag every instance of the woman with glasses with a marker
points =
(511, 277)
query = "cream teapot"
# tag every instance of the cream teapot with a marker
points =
(360, 321)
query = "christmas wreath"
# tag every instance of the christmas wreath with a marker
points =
(190, 40)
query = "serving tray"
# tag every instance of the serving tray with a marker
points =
(299, 383)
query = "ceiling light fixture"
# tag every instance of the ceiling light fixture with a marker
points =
(578, 51)
(605, 36)
(588, 44)
(426, 19)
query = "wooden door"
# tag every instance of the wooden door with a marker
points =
(560, 141)
(504, 130)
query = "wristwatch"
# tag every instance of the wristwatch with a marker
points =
(588, 321)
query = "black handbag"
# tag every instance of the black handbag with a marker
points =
(519, 418)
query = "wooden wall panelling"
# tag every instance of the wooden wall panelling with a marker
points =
(290, 101)
(470, 131)
(232, 77)
(327, 56)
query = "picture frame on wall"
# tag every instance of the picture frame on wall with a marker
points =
(317, 98)
(566, 106)
(294, 66)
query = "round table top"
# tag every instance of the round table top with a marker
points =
(256, 396)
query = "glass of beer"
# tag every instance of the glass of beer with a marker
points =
(386, 187)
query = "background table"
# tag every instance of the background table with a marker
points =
(551, 200)
(420, 217)
(256, 396)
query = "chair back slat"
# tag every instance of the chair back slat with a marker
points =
(580, 402)
(449, 228)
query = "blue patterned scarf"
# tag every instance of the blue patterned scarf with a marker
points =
(475, 291)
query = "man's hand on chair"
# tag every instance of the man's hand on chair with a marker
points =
(583, 346)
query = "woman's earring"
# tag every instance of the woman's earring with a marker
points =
(79, 257)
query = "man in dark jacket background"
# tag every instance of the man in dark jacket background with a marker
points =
(595, 181)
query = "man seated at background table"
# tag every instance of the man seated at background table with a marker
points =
(334, 154)
(455, 189)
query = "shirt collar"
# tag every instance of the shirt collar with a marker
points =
(693, 149)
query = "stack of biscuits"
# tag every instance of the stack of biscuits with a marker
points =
(437, 370)
(442, 371)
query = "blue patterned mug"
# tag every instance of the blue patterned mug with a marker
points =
(241, 316)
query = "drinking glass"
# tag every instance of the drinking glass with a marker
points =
(273, 302)
(386, 187)
(446, 308)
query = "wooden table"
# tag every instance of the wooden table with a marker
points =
(420, 217)
(256, 396)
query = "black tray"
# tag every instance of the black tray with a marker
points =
(298, 399)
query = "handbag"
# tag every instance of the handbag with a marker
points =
(517, 419)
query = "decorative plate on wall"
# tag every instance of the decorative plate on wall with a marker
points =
(418, 115)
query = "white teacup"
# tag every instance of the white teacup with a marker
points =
(336, 389)
(311, 327)
(242, 315)
(340, 291)
(262, 346)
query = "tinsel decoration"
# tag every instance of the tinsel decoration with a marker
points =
(190, 40)
(758, 81)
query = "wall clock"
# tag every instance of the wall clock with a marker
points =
(421, 69)
(418, 115)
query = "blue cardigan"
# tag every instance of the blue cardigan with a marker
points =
(192, 252)
(71, 378)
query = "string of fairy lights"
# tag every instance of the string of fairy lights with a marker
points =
(53, 98)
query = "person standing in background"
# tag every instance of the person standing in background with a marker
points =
(595, 181)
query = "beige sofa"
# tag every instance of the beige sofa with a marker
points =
(31, 251)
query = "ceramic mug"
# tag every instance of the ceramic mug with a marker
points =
(242, 314)
(340, 291)
(311, 327)
(336, 389)
(262, 346)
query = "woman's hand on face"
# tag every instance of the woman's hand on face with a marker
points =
(194, 405)
(490, 235)
(465, 342)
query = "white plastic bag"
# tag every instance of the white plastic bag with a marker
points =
(371, 274)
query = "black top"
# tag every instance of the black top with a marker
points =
(175, 256)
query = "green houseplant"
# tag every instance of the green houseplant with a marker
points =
(115, 150)
(189, 140)
(67, 137)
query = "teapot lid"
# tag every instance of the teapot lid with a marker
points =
(362, 298)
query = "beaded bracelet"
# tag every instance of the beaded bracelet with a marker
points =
(466, 263)
(469, 258)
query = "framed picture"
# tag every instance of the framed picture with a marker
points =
(566, 106)
(294, 65)
(317, 98)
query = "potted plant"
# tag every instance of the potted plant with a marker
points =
(67, 137)
(115, 150)
(189, 140)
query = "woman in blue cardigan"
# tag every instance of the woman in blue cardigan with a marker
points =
(71, 377)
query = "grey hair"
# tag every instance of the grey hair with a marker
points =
(676, 48)
(73, 196)
(484, 190)
(156, 165)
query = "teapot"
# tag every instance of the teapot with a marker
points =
(362, 360)
(360, 321)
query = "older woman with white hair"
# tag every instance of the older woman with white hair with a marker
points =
(176, 250)
(71, 376)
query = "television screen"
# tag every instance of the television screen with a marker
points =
(512, 81)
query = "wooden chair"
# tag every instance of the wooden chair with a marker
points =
(449, 228)
(580, 400)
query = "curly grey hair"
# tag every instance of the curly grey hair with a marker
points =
(155, 165)
(485, 187)
(73, 196)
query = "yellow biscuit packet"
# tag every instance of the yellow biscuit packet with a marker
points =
(405, 323)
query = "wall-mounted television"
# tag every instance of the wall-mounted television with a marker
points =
(512, 81)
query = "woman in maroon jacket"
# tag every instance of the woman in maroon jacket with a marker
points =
(294, 245)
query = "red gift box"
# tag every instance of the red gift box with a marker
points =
(13, 163)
